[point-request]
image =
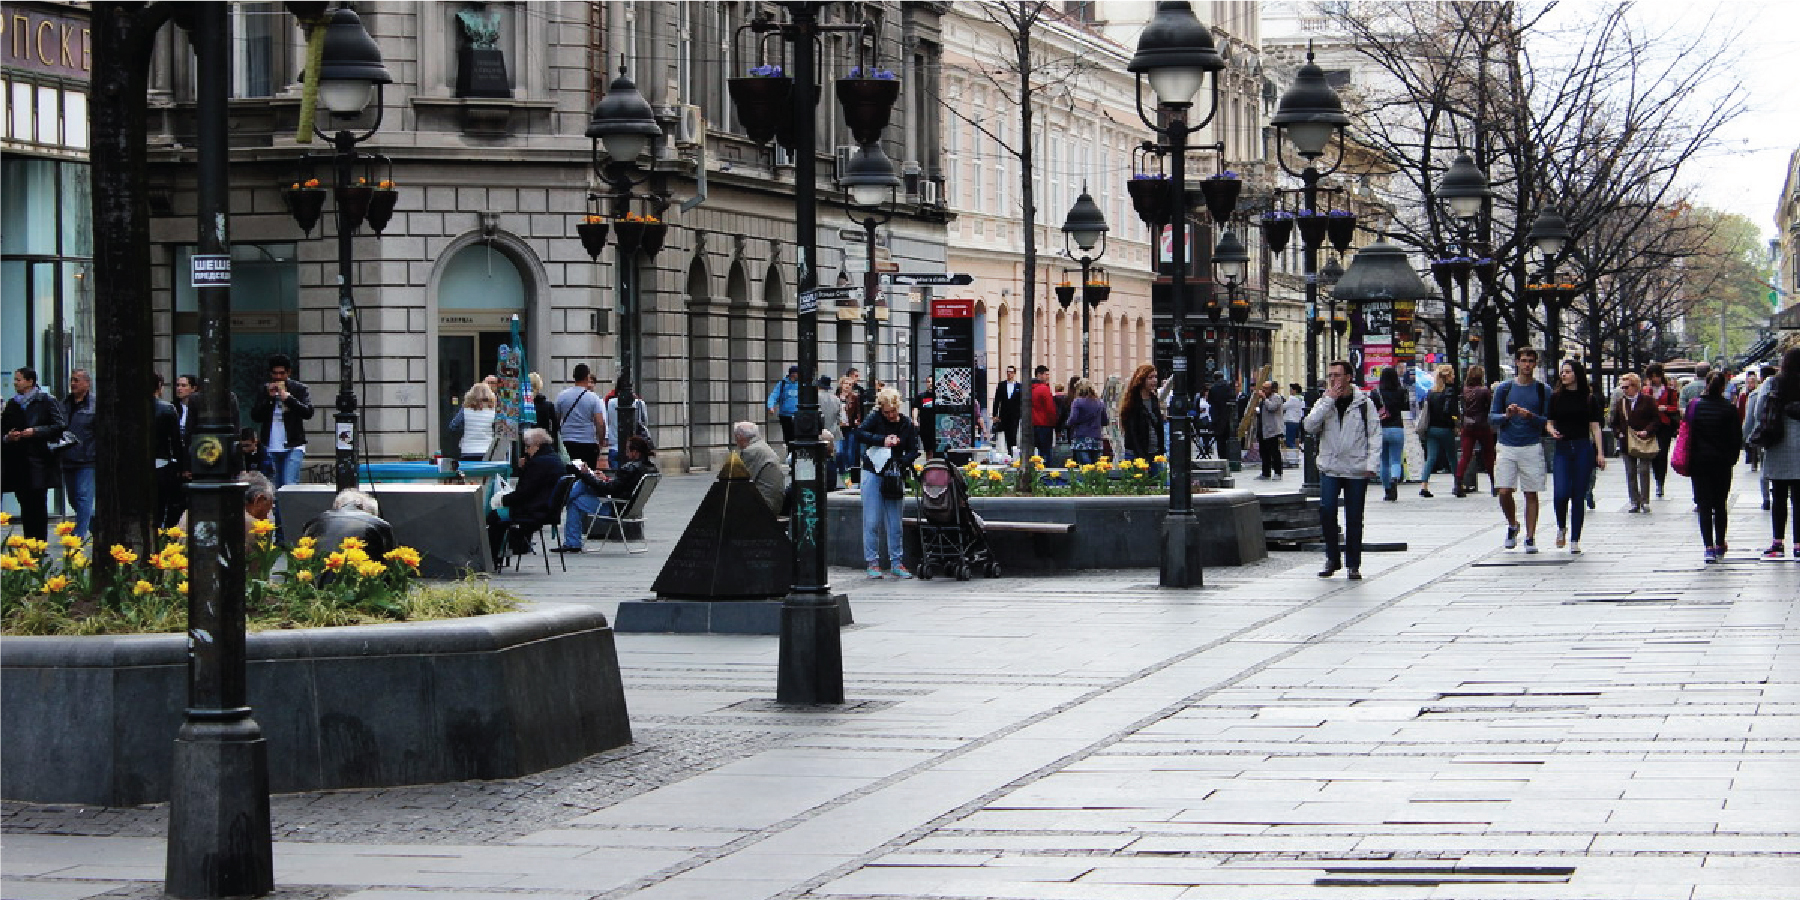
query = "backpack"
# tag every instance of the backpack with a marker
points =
(1543, 399)
(1770, 427)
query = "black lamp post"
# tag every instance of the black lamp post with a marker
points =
(1379, 272)
(1175, 53)
(1550, 235)
(1329, 276)
(870, 188)
(1086, 227)
(811, 659)
(350, 77)
(218, 841)
(1231, 259)
(1309, 115)
(621, 130)
(1465, 190)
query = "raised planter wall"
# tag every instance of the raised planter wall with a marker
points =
(1110, 532)
(93, 719)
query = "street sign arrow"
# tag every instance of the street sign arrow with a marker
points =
(836, 293)
(929, 279)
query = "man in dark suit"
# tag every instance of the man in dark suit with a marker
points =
(169, 455)
(1224, 414)
(529, 502)
(1009, 404)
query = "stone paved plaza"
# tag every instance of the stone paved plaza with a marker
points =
(1467, 722)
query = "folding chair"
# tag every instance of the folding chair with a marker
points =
(559, 500)
(616, 513)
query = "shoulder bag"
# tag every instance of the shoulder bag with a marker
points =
(1678, 456)
(1770, 429)
(1422, 421)
(1638, 447)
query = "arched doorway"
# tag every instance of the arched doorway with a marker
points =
(707, 393)
(478, 289)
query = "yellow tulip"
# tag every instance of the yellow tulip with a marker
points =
(57, 584)
(142, 587)
(351, 543)
(303, 575)
(182, 587)
(123, 556)
(307, 542)
(69, 541)
(304, 553)
(5, 518)
(15, 541)
(65, 528)
(262, 527)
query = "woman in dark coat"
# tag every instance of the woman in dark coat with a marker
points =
(32, 421)
(1714, 439)
(1141, 418)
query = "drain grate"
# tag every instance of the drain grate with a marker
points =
(1433, 876)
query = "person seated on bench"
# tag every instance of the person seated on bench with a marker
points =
(592, 486)
(528, 504)
(353, 514)
(764, 466)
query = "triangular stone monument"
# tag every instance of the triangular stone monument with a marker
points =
(734, 548)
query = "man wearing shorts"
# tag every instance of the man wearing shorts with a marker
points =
(1518, 416)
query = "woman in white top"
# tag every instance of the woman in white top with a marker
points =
(475, 423)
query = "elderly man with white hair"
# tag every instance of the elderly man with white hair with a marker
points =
(764, 465)
(353, 514)
(529, 502)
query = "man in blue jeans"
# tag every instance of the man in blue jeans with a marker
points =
(1520, 410)
(1349, 434)
(281, 410)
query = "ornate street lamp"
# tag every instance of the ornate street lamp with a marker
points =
(1086, 228)
(1329, 276)
(871, 188)
(1550, 235)
(1175, 53)
(1464, 188)
(1232, 261)
(621, 130)
(1309, 115)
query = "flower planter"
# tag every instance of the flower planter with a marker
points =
(1485, 270)
(304, 205)
(381, 208)
(761, 103)
(1098, 294)
(1221, 195)
(630, 236)
(353, 206)
(1240, 312)
(1312, 231)
(867, 104)
(1150, 197)
(593, 237)
(654, 235)
(1277, 232)
(1340, 230)
(1065, 294)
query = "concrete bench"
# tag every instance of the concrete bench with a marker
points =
(1020, 527)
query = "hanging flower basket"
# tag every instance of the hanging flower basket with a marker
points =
(1097, 294)
(1340, 325)
(381, 206)
(353, 205)
(1150, 197)
(1485, 270)
(1340, 229)
(1065, 294)
(1278, 228)
(304, 203)
(867, 103)
(763, 102)
(593, 235)
(1240, 311)
(1221, 194)
(1312, 230)
(635, 233)
(654, 235)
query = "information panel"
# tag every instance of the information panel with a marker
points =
(953, 372)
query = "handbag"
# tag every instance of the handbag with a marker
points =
(1769, 428)
(1641, 447)
(1678, 457)
(1422, 421)
(892, 487)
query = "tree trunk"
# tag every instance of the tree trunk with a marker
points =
(1028, 200)
(124, 478)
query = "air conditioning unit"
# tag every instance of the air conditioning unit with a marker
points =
(844, 154)
(690, 128)
(928, 194)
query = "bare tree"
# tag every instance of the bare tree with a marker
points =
(1029, 72)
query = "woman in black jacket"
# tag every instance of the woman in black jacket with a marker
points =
(885, 427)
(1714, 439)
(1392, 400)
(1141, 418)
(33, 420)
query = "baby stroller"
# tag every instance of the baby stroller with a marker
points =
(950, 537)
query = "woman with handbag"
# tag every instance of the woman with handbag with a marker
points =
(1634, 419)
(1477, 431)
(1714, 437)
(1781, 458)
(1438, 419)
(1667, 398)
(1087, 423)
(1575, 415)
(884, 483)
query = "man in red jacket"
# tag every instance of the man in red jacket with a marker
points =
(1043, 412)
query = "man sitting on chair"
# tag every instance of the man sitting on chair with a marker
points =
(352, 514)
(529, 502)
(591, 486)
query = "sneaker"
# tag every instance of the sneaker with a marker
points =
(1530, 545)
(1575, 548)
(1659, 495)
(1775, 551)
(1711, 556)
(565, 550)
(1765, 506)
(1354, 575)
(1562, 537)
(1512, 536)
(900, 573)
(875, 573)
(1425, 492)
(1590, 501)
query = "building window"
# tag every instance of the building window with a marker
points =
(264, 36)
(265, 315)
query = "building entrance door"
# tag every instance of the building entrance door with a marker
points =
(463, 359)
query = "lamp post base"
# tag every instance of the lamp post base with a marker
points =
(811, 664)
(219, 843)
(1180, 555)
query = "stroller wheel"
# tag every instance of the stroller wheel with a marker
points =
(962, 572)
(924, 571)
(993, 570)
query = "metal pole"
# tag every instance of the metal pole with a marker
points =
(1309, 471)
(1178, 527)
(218, 844)
(344, 439)
(811, 658)
(871, 286)
(626, 426)
(1087, 263)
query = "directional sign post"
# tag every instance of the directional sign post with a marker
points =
(931, 279)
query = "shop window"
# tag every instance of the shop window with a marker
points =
(265, 315)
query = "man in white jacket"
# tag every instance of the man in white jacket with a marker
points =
(1349, 434)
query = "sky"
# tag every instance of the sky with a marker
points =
(1747, 173)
